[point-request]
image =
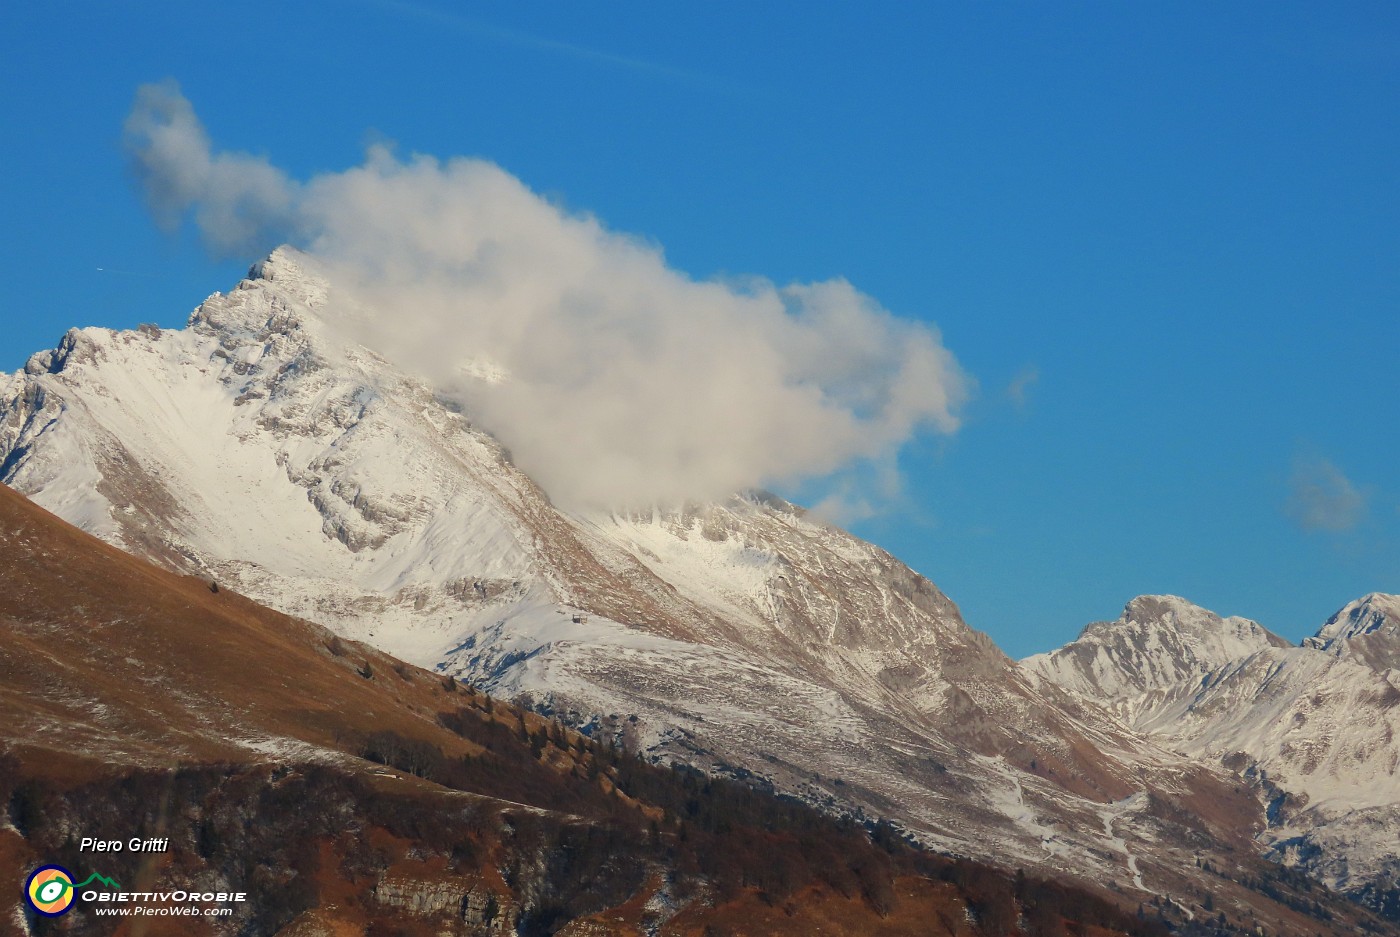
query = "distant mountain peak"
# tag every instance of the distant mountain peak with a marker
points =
(1366, 629)
(1159, 641)
(1151, 608)
(283, 261)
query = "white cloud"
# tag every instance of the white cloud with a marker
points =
(625, 381)
(1322, 498)
(237, 198)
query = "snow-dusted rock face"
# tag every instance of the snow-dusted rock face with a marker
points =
(1324, 729)
(1367, 630)
(1159, 642)
(262, 448)
(1317, 727)
(1321, 734)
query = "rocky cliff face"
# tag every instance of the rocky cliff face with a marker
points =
(260, 447)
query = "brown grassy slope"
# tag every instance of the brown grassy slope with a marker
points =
(108, 655)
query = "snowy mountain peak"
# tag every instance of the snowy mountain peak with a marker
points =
(292, 272)
(285, 263)
(278, 296)
(1149, 608)
(1158, 641)
(1367, 630)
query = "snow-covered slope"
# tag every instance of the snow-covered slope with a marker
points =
(1321, 733)
(1317, 727)
(261, 448)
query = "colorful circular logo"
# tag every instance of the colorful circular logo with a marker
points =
(50, 890)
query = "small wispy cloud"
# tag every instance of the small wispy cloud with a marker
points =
(1018, 391)
(237, 198)
(1322, 498)
(869, 491)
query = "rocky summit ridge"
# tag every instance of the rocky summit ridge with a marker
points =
(1158, 642)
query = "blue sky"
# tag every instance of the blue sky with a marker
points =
(1162, 238)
